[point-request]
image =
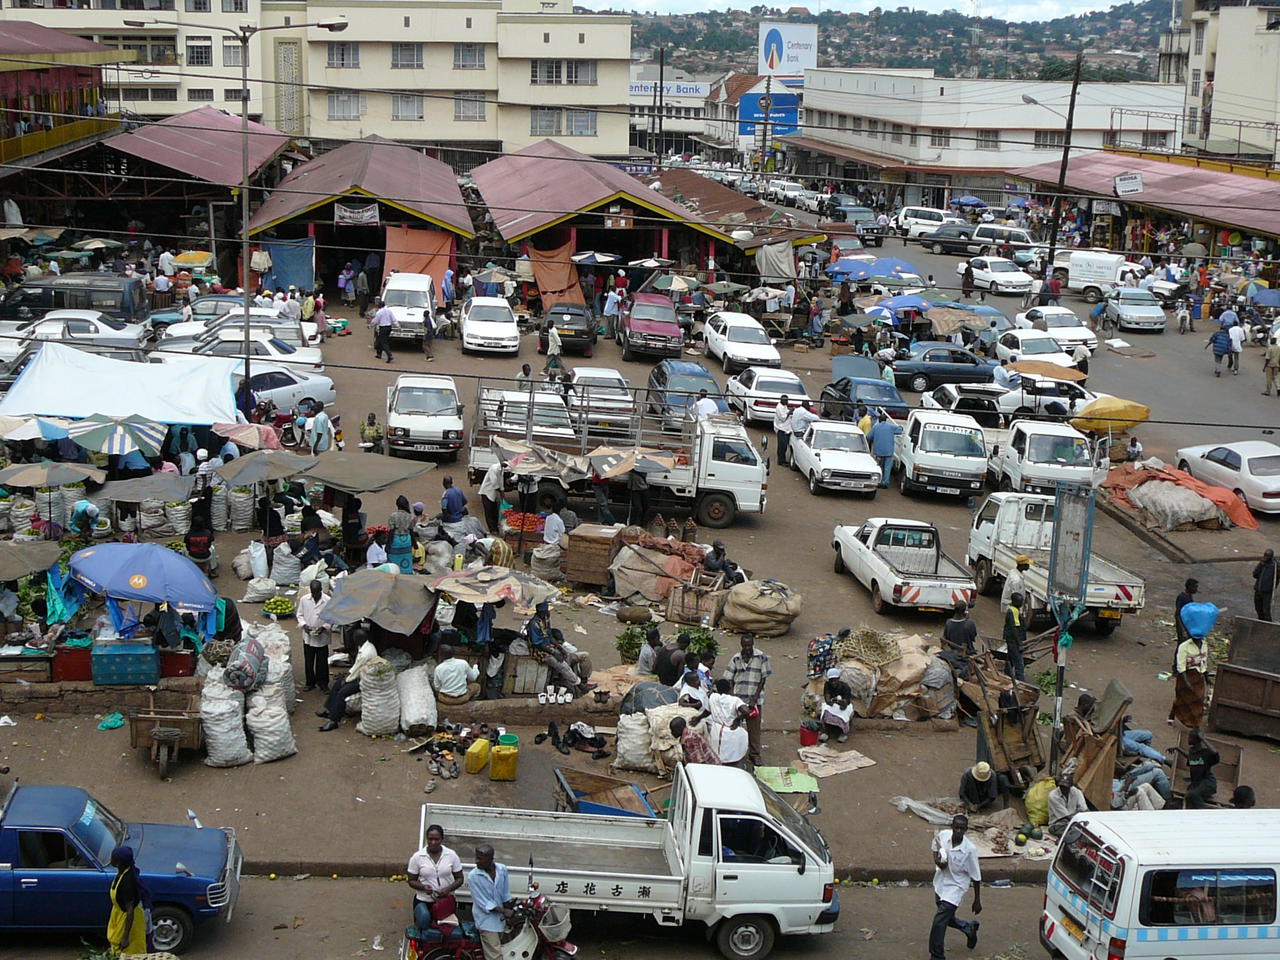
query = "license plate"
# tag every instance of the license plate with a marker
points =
(564, 331)
(1110, 614)
(1072, 928)
(951, 490)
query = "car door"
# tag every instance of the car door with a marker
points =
(757, 865)
(55, 884)
(1222, 467)
(715, 336)
(937, 364)
(979, 265)
(739, 388)
(657, 389)
(802, 452)
(1010, 347)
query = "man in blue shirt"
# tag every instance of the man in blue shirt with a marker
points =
(490, 901)
(882, 440)
(453, 505)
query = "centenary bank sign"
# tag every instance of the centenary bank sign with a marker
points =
(787, 49)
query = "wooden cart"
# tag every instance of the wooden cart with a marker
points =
(1010, 731)
(165, 732)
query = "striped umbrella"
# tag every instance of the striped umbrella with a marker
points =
(33, 428)
(118, 435)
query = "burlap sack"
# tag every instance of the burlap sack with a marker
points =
(765, 608)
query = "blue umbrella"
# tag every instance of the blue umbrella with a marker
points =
(1266, 298)
(906, 302)
(144, 571)
(855, 269)
(1019, 201)
(890, 267)
(969, 200)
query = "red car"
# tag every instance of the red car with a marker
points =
(648, 326)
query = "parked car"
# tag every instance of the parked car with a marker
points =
(1132, 308)
(996, 274)
(124, 298)
(790, 194)
(912, 222)
(424, 415)
(78, 326)
(202, 308)
(872, 233)
(927, 363)
(291, 331)
(648, 325)
(489, 326)
(674, 386)
(411, 298)
(289, 386)
(981, 401)
(1030, 395)
(949, 238)
(990, 237)
(604, 396)
(901, 562)
(739, 341)
(576, 325)
(834, 455)
(1248, 468)
(10, 370)
(262, 343)
(755, 392)
(858, 380)
(749, 187)
(811, 200)
(1061, 324)
(1031, 345)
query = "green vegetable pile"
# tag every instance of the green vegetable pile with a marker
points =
(630, 640)
(177, 546)
(280, 606)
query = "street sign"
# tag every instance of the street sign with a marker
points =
(1072, 535)
(1128, 184)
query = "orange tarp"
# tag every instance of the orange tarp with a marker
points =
(420, 251)
(1124, 478)
(556, 275)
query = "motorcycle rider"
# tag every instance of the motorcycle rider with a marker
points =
(1185, 322)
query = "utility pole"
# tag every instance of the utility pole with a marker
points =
(766, 107)
(1055, 222)
(662, 96)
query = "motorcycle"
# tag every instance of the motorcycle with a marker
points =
(538, 927)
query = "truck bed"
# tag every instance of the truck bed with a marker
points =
(915, 562)
(1108, 583)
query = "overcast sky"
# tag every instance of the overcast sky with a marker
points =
(1003, 9)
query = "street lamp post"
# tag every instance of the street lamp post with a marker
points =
(1055, 221)
(243, 34)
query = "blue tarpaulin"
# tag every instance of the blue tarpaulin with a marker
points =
(293, 262)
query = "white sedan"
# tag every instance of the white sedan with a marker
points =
(1061, 324)
(755, 392)
(604, 394)
(1016, 345)
(230, 343)
(997, 274)
(288, 387)
(1248, 468)
(832, 454)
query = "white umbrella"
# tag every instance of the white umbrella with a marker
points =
(651, 262)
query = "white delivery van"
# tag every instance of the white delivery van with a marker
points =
(913, 222)
(412, 298)
(1091, 273)
(1164, 885)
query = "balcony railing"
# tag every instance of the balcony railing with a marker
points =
(30, 144)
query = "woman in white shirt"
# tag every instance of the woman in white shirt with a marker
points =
(434, 872)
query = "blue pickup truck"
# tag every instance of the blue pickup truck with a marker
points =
(55, 873)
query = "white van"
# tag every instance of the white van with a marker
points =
(423, 416)
(912, 222)
(989, 236)
(1164, 884)
(1091, 273)
(412, 298)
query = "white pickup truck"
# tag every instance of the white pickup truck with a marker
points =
(941, 453)
(731, 855)
(901, 562)
(423, 416)
(1013, 524)
(1039, 454)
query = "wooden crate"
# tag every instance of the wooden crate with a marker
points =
(27, 668)
(592, 548)
(689, 604)
(524, 675)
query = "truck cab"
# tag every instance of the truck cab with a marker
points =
(941, 453)
(1040, 454)
(731, 476)
(411, 297)
(423, 416)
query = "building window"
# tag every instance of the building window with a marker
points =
(200, 51)
(582, 38)
(855, 125)
(544, 121)
(134, 94)
(546, 72)
(580, 123)
(1195, 83)
(197, 6)
(468, 105)
(580, 73)
(1155, 138)
(347, 105)
(231, 51)
(468, 23)
(873, 129)
(1273, 19)
(343, 54)
(546, 38)
(939, 137)
(1048, 139)
(234, 94)
(896, 136)
(1110, 138)
(406, 56)
(988, 139)
(553, 72)
(468, 56)
(1199, 41)
(164, 94)
(406, 23)
(1193, 121)
(235, 6)
(198, 94)
(406, 106)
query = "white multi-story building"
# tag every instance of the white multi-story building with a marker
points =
(943, 137)
(667, 108)
(468, 79)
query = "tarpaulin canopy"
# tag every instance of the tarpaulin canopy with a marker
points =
(420, 251)
(293, 263)
(359, 472)
(557, 275)
(168, 487)
(1123, 478)
(523, 458)
(65, 382)
(611, 462)
(491, 584)
(776, 261)
(20, 559)
(397, 602)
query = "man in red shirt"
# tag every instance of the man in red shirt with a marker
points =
(621, 282)
(1054, 287)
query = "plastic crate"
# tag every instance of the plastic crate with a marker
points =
(72, 664)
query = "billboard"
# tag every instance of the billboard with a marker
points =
(670, 88)
(784, 114)
(787, 49)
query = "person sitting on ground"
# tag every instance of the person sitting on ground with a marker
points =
(1064, 803)
(649, 651)
(693, 745)
(669, 663)
(453, 503)
(1201, 759)
(692, 687)
(456, 680)
(980, 787)
(726, 724)
(717, 561)
(547, 645)
(1243, 798)
(335, 705)
(314, 551)
(836, 712)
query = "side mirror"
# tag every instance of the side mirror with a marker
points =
(764, 442)
(995, 450)
(461, 407)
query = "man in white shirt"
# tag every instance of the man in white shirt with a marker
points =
(315, 637)
(955, 861)
(612, 301)
(1064, 803)
(1237, 335)
(491, 496)
(801, 419)
(456, 680)
(782, 428)
(165, 263)
(704, 406)
(163, 284)
(553, 528)
(292, 308)
(1015, 582)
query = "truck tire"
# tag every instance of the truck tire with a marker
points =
(984, 577)
(1104, 627)
(715, 510)
(840, 566)
(1005, 483)
(904, 485)
(878, 603)
(1092, 294)
(552, 495)
(627, 355)
(748, 937)
(172, 928)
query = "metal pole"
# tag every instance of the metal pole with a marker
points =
(244, 35)
(1055, 222)
(662, 97)
(766, 104)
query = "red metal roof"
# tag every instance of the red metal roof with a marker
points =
(1247, 203)
(203, 143)
(23, 37)
(373, 167)
(547, 182)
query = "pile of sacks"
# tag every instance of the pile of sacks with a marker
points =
(645, 743)
(917, 684)
(395, 693)
(246, 701)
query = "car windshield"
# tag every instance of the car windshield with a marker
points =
(953, 441)
(100, 830)
(601, 384)
(418, 299)
(486, 314)
(544, 414)
(425, 400)
(691, 385)
(839, 440)
(804, 831)
(1032, 346)
(1059, 320)
(1265, 466)
(1139, 298)
(1003, 266)
(1064, 451)
(653, 311)
(747, 335)
(282, 347)
(876, 393)
(790, 387)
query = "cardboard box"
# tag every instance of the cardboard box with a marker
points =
(838, 349)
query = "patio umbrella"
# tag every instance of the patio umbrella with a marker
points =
(907, 301)
(969, 200)
(651, 262)
(593, 256)
(882, 314)
(1019, 202)
(852, 269)
(890, 267)
(726, 287)
(397, 602)
(671, 282)
(359, 472)
(97, 243)
(494, 275)
(147, 572)
(1267, 298)
(263, 465)
(1110, 413)
(19, 559)
(33, 428)
(616, 461)
(858, 320)
(46, 473)
(900, 283)
(118, 435)
(491, 584)
(253, 436)
(1050, 371)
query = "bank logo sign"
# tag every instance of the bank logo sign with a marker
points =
(787, 49)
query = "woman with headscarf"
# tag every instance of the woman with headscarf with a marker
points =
(422, 529)
(127, 925)
(400, 524)
(354, 538)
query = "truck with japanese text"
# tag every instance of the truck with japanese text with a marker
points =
(902, 563)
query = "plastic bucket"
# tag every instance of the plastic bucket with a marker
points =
(808, 737)
(508, 740)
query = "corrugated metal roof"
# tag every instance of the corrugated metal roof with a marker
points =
(547, 183)
(23, 37)
(1247, 203)
(373, 167)
(203, 143)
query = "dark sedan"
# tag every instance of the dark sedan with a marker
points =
(929, 363)
(950, 238)
(576, 325)
(674, 385)
(839, 400)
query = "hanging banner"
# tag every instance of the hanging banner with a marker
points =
(356, 215)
